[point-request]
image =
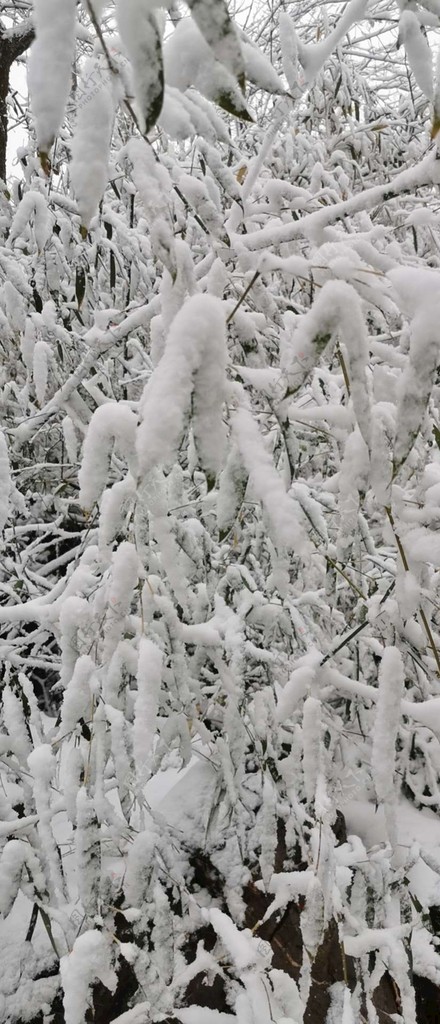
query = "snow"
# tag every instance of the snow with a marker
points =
(42, 766)
(266, 483)
(149, 679)
(386, 725)
(78, 697)
(20, 1003)
(259, 69)
(287, 886)
(312, 745)
(416, 382)
(87, 962)
(422, 546)
(91, 140)
(336, 311)
(153, 183)
(124, 577)
(41, 762)
(418, 51)
(33, 207)
(313, 917)
(426, 959)
(218, 610)
(189, 61)
(28, 343)
(140, 36)
(14, 721)
(171, 791)
(53, 49)
(87, 846)
(70, 439)
(15, 855)
(374, 938)
(196, 192)
(13, 304)
(5, 482)
(203, 1015)
(363, 819)
(220, 32)
(40, 369)
(193, 363)
(110, 424)
(313, 56)
(175, 117)
(134, 1016)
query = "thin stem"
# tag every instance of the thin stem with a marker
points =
(343, 366)
(242, 297)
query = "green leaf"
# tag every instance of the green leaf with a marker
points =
(45, 162)
(150, 97)
(112, 270)
(231, 103)
(85, 731)
(80, 285)
(38, 302)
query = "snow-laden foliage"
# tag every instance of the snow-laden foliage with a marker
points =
(219, 487)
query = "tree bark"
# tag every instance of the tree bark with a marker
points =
(4, 85)
(12, 44)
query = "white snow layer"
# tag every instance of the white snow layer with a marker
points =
(95, 103)
(139, 33)
(193, 365)
(87, 963)
(112, 423)
(50, 66)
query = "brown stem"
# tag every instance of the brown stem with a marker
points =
(242, 297)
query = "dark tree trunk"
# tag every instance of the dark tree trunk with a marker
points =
(4, 84)
(11, 47)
